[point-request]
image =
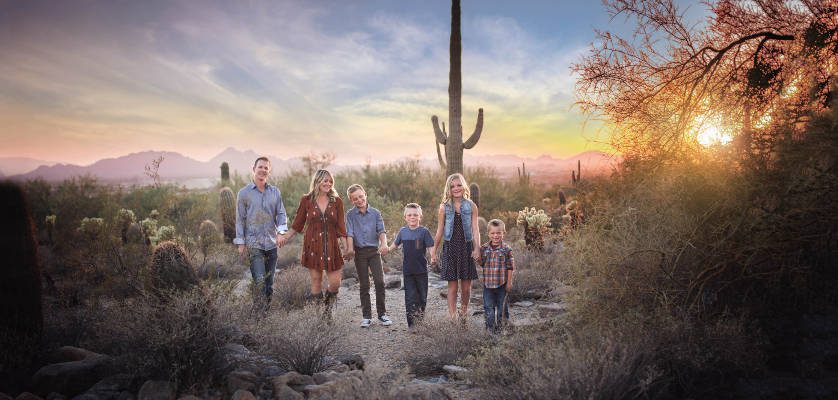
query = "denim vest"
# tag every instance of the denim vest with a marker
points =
(465, 214)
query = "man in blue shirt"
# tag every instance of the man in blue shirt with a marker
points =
(366, 240)
(260, 223)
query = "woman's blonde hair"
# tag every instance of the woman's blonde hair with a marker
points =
(316, 180)
(446, 193)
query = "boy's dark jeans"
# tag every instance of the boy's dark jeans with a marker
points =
(367, 259)
(494, 307)
(415, 296)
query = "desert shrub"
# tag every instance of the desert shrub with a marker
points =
(173, 336)
(300, 339)
(439, 342)
(561, 362)
(537, 273)
(289, 254)
(291, 285)
(208, 238)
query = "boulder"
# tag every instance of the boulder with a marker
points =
(354, 361)
(423, 391)
(283, 392)
(113, 387)
(522, 304)
(243, 395)
(325, 376)
(27, 396)
(157, 390)
(74, 377)
(293, 379)
(455, 371)
(393, 282)
(552, 307)
(242, 380)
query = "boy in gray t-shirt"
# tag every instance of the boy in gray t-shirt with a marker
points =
(416, 240)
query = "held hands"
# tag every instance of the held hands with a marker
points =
(348, 255)
(281, 240)
(475, 254)
(383, 250)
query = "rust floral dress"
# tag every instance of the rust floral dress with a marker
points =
(322, 230)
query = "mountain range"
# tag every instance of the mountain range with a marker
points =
(176, 167)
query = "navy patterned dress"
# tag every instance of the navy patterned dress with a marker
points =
(456, 263)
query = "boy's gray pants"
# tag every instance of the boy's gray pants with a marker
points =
(368, 260)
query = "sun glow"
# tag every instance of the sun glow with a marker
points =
(710, 134)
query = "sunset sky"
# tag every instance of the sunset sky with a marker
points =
(85, 80)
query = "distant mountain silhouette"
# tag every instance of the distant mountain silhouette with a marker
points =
(177, 167)
(131, 168)
(20, 165)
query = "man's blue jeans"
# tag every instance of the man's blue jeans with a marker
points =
(262, 266)
(493, 307)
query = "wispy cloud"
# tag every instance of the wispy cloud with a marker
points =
(103, 79)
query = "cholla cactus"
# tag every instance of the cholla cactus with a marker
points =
(149, 229)
(165, 233)
(228, 213)
(125, 218)
(92, 228)
(154, 214)
(536, 224)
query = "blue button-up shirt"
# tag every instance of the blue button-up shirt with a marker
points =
(364, 228)
(259, 217)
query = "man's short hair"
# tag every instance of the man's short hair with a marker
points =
(415, 206)
(262, 158)
(354, 188)
(497, 224)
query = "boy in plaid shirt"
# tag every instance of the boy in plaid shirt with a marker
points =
(498, 265)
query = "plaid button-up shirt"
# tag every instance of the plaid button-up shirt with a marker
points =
(495, 261)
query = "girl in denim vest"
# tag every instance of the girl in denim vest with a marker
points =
(457, 219)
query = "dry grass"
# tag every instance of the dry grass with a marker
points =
(300, 339)
(561, 363)
(176, 338)
(438, 342)
(290, 287)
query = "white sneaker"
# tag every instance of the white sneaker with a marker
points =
(365, 323)
(385, 320)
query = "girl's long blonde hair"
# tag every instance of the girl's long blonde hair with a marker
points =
(446, 193)
(314, 187)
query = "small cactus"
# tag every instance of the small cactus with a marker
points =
(149, 226)
(225, 172)
(170, 268)
(92, 228)
(474, 190)
(154, 214)
(125, 218)
(227, 206)
(562, 199)
(166, 233)
(536, 224)
(208, 237)
(20, 285)
(134, 234)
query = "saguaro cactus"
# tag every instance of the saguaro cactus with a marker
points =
(20, 285)
(453, 141)
(225, 172)
(228, 213)
(474, 190)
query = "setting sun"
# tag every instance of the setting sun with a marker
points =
(709, 135)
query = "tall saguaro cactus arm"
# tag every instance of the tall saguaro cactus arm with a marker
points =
(438, 153)
(441, 136)
(472, 140)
